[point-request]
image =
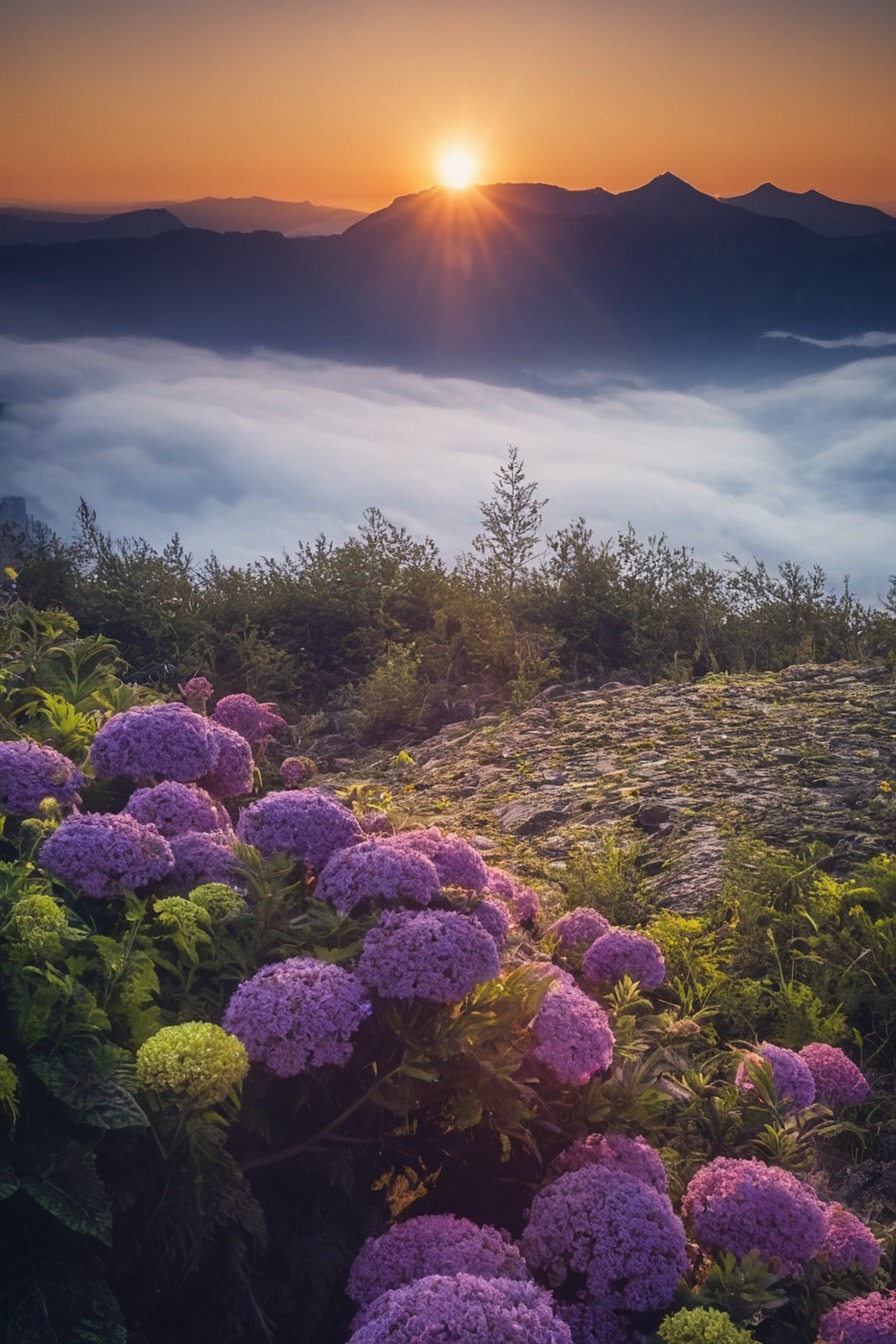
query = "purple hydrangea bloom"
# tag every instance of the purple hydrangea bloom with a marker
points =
(233, 774)
(30, 772)
(297, 1015)
(848, 1243)
(572, 1034)
(105, 855)
(246, 716)
(297, 770)
(462, 1309)
(167, 741)
(594, 1322)
(201, 856)
(457, 863)
(197, 692)
(375, 822)
(307, 823)
(740, 1205)
(624, 952)
(438, 955)
(578, 929)
(493, 917)
(377, 873)
(838, 1082)
(861, 1320)
(618, 1151)
(522, 900)
(174, 808)
(435, 1243)
(791, 1075)
(620, 1234)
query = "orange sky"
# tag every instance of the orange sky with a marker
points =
(350, 102)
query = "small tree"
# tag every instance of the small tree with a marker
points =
(511, 525)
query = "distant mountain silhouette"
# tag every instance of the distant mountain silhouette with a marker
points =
(17, 226)
(836, 219)
(294, 219)
(511, 280)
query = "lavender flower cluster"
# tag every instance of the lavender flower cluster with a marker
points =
(173, 808)
(376, 873)
(572, 1033)
(167, 741)
(197, 692)
(620, 1153)
(838, 1082)
(523, 902)
(232, 774)
(794, 1084)
(435, 1243)
(105, 855)
(309, 824)
(861, 1320)
(740, 1205)
(578, 929)
(297, 770)
(848, 1243)
(297, 1015)
(494, 918)
(246, 716)
(201, 856)
(29, 773)
(462, 1309)
(435, 955)
(624, 952)
(457, 863)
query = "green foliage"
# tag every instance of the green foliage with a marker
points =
(606, 877)
(702, 1325)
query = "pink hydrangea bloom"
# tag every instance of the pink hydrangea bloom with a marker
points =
(740, 1205)
(435, 1243)
(438, 955)
(30, 772)
(861, 1320)
(613, 1229)
(522, 900)
(174, 808)
(197, 692)
(848, 1243)
(233, 773)
(297, 1015)
(106, 855)
(167, 741)
(578, 929)
(457, 863)
(309, 824)
(376, 873)
(461, 1309)
(838, 1082)
(624, 952)
(246, 716)
(572, 1034)
(618, 1151)
(792, 1077)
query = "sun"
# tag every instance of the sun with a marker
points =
(457, 169)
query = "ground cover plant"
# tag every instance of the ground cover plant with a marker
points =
(274, 1069)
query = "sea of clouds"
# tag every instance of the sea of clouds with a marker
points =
(247, 456)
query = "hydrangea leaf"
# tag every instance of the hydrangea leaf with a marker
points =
(65, 1184)
(78, 1081)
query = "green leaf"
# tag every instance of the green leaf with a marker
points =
(65, 1184)
(81, 1079)
(9, 1181)
(51, 1302)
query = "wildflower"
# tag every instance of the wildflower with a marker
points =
(791, 1075)
(165, 741)
(36, 926)
(376, 873)
(522, 900)
(572, 1034)
(219, 900)
(174, 808)
(103, 856)
(298, 1014)
(297, 770)
(848, 1243)
(861, 1320)
(624, 952)
(29, 773)
(243, 713)
(307, 823)
(612, 1228)
(740, 1205)
(435, 1243)
(620, 1153)
(838, 1082)
(457, 863)
(201, 856)
(437, 955)
(578, 929)
(196, 1061)
(702, 1325)
(461, 1309)
(233, 773)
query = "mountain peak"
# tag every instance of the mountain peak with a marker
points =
(822, 214)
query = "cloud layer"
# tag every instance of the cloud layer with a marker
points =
(247, 456)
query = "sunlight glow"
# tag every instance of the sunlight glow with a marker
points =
(457, 169)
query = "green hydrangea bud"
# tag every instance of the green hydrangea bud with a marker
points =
(197, 1061)
(702, 1325)
(178, 915)
(36, 925)
(218, 900)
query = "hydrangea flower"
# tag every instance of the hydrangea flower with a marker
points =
(593, 1322)
(791, 1075)
(298, 1014)
(572, 1034)
(618, 1152)
(307, 823)
(578, 929)
(493, 917)
(167, 741)
(848, 1243)
(376, 822)
(861, 1320)
(29, 773)
(36, 926)
(838, 1082)
(437, 955)
(522, 900)
(105, 855)
(377, 873)
(197, 692)
(435, 1243)
(462, 1309)
(173, 808)
(613, 1229)
(233, 773)
(702, 1325)
(218, 899)
(246, 716)
(624, 952)
(194, 1060)
(297, 770)
(201, 856)
(740, 1205)
(457, 863)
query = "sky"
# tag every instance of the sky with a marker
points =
(154, 436)
(352, 102)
